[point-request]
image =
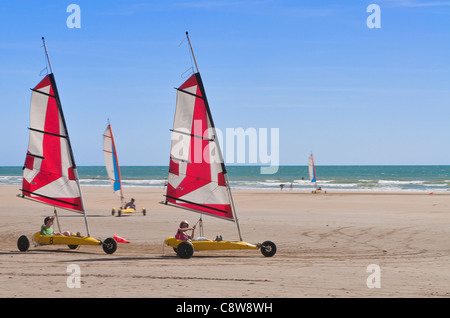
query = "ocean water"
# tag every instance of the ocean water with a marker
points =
(424, 179)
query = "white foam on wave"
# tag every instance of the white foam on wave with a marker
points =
(400, 182)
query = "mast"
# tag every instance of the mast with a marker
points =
(192, 51)
(234, 209)
(46, 53)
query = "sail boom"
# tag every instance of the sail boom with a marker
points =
(49, 204)
(196, 211)
(197, 204)
(49, 198)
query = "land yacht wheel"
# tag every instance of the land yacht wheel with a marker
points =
(268, 249)
(185, 250)
(109, 245)
(23, 243)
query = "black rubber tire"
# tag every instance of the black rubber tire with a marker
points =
(23, 243)
(185, 250)
(109, 245)
(268, 249)
(72, 247)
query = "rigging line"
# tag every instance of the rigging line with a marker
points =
(41, 73)
(190, 56)
(184, 39)
(190, 70)
(45, 69)
(192, 52)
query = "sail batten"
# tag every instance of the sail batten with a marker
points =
(46, 132)
(192, 94)
(43, 93)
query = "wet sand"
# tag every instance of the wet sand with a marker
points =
(325, 243)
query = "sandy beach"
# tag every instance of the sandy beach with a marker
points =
(325, 243)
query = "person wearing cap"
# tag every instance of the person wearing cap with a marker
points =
(47, 229)
(130, 205)
(181, 235)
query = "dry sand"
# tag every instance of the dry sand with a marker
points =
(325, 244)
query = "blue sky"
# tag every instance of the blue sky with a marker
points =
(311, 68)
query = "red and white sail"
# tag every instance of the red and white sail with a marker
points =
(49, 173)
(197, 175)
